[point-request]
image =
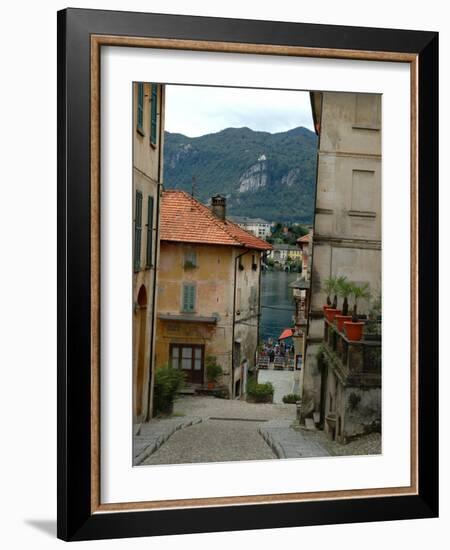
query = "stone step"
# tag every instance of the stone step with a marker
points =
(309, 424)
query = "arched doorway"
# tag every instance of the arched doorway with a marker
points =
(141, 326)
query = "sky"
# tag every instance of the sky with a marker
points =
(199, 110)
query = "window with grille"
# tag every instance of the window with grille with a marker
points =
(190, 259)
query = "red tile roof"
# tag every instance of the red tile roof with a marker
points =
(185, 219)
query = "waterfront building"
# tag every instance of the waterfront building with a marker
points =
(259, 227)
(342, 378)
(208, 291)
(148, 133)
(283, 253)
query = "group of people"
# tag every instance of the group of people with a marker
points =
(279, 348)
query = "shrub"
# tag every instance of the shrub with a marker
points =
(291, 398)
(167, 383)
(260, 393)
(213, 369)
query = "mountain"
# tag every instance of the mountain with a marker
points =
(271, 176)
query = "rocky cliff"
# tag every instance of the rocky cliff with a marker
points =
(265, 175)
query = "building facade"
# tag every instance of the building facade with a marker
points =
(347, 242)
(257, 226)
(208, 291)
(148, 135)
(283, 253)
(301, 293)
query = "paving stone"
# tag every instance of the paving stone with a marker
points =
(213, 441)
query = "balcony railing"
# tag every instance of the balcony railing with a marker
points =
(356, 363)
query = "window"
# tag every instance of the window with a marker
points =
(254, 264)
(149, 257)
(137, 230)
(190, 259)
(189, 292)
(153, 114)
(140, 107)
(190, 359)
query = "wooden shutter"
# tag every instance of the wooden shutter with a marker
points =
(149, 257)
(140, 106)
(137, 231)
(189, 297)
(153, 117)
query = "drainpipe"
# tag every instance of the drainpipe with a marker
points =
(155, 268)
(236, 261)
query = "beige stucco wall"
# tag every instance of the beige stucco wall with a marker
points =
(147, 177)
(247, 321)
(347, 228)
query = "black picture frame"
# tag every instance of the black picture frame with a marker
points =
(75, 518)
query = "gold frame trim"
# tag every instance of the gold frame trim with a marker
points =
(97, 41)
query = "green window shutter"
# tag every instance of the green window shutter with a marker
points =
(153, 116)
(137, 231)
(140, 106)
(149, 258)
(189, 297)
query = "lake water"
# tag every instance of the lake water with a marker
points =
(277, 303)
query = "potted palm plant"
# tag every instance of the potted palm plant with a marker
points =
(354, 327)
(330, 287)
(344, 289)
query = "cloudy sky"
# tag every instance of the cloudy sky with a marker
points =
(198, 110)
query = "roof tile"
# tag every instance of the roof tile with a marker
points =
(185, 219)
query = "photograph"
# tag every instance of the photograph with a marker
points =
(256, 274)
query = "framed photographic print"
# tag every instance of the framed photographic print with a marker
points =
(247, 251)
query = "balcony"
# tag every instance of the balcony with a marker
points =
(356, 363)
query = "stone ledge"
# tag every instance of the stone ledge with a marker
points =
(158, 432)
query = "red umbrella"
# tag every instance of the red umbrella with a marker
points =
(287, 333)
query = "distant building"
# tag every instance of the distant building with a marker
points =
(148, 133)
(208, 291)
(342, 378)
(259, 227)
(282, 253)
(305, 245)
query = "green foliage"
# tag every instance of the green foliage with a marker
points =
(168, 381)
(359, 291)
(291, 398)
(329, 285)
(295, 231)
(213, 369)
(217, 161)
(344, 289)
(259, 392)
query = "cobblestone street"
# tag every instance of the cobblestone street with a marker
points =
(214, 441)
(207, 429)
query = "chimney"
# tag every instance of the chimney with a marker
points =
(219, 206)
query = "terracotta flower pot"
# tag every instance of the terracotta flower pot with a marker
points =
(325, 307)
(211, 385)
(353, 330)
(330, 313)
(339, 321)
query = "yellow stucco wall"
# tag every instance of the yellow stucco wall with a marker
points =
(214, 278)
